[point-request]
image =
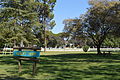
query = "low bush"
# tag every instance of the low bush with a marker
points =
(85, 48)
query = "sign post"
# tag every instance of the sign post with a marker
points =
(27, 54)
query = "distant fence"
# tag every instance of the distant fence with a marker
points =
(106, 49)
(6, 50)
(2, 50)
(80, 49)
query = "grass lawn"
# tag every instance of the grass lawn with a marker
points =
(64, 66)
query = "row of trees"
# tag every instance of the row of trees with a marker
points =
(30, 22)
(99, 26)
(25, 21)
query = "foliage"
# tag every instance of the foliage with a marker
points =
(55, 40)
(101, 20)
(45, 14)
(85, 48)
(94, 2)
(22, 21)
(17, 21)
(72, 28)
(112, 41)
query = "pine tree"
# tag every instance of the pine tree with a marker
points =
(18, 19)
(25, 20)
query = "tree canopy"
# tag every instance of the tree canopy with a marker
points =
(100, 21)
(22, 20)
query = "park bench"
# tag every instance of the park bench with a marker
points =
(27, 54)
(107, 52)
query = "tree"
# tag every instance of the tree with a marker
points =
(101, 20)
(73, 29)
(53, 40)
(94, 2)
(23, 20)
(111, 41)
(45, 14)
(17, 20)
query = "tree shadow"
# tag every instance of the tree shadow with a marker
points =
(106, 72)
(10, 65)
(59, 66)
(81, 58)
(5, 77)
(9, 60)
(70, 66)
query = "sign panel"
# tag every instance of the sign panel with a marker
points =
(27, 53)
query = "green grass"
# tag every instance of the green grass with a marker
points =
(64, 66)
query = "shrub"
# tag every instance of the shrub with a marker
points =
(85, 48)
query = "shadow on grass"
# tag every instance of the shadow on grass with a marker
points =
(81, 66)
(11, 77)
(7, 60)
(81, 58)
(71, 66)
(10, 65)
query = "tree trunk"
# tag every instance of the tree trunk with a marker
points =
(45, 44)
(45, 41)
(21, 44)
(14, 44)
(98, 49)
(44, 26)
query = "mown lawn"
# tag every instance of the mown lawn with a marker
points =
(64, 66)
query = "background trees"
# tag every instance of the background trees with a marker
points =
(73, 30)
(45, 14)
(22, 21)
(30, 22)
(111, 41)
(100, 21)
(17, 20)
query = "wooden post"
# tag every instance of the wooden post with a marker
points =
(19, 65)
(34, 67)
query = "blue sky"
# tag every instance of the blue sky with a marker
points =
(66, 9)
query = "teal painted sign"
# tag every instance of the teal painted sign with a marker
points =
(27, 53)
